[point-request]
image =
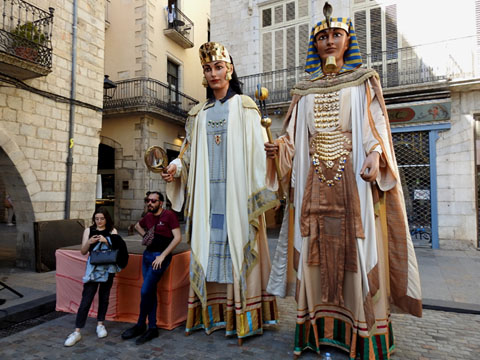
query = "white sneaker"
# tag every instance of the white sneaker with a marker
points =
(101, 331)
(72, 339)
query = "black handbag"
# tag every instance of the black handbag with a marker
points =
(104, 256)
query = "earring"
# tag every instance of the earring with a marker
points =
(228, 77)
(204, 82)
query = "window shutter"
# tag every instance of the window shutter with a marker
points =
(303, 35)
(290, 11)
(291, 47)
(267, 51)
(391, 31)
(302, 8)
(278, 14)
(266, 17)
(279, 49)
(376, 34)
(360, 23)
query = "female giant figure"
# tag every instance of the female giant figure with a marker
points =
(222, 165)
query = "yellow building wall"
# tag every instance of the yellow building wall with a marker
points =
(126, 130)
(137, 47)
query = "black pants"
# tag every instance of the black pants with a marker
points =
(89, 291)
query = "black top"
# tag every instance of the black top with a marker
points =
(94, 231)
(117, 244)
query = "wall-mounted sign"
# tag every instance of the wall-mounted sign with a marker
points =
(419, 194)
(420, 113)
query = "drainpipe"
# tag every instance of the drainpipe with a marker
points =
(68, 188)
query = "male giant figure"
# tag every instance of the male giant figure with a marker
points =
(350, 244)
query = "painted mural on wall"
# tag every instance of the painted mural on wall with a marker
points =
(420, 113)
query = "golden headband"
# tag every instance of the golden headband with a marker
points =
(212, 51)
(333, 24)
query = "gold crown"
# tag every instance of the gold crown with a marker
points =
(212, 51)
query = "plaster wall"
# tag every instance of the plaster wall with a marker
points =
(457, 213)
(137, 47)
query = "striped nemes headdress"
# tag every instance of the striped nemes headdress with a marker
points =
(212, 51)
(352, 57)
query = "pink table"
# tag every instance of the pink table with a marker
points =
(125, 294)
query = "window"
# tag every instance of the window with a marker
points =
(173, 81)
(172, 74)
(284, 34)
(377, 34)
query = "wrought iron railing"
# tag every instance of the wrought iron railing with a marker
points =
(178, 21)
(26, 32)
(278, 82)
(146, 92)
(453, 59)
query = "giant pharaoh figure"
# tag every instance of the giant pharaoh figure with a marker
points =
(345, 231)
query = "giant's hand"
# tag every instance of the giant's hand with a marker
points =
(169, 172)
(372, 163)
(271, 149)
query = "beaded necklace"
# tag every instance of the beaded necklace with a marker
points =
(329, 146)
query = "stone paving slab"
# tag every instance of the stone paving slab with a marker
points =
(30, 284)
(436, 336)
(450, 276)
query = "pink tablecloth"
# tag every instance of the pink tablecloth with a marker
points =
(125, 294)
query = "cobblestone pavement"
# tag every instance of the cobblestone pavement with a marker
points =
(436, 336)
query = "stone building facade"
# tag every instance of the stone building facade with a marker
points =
(429, 73)
(37, 113)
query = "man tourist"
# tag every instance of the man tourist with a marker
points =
(162, 225)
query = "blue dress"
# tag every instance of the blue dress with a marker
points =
(219, 260)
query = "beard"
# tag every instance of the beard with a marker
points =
(153, 209)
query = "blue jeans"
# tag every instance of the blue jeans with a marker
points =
(148, 301)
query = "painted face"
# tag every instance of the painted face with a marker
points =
(100, 221)
(153, 202)
(332, 42)
(215, 72)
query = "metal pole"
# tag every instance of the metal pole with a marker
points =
(68, 188)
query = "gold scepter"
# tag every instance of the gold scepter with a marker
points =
(262, 94)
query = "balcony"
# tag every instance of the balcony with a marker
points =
(25, 40)
(147, 95)
(180, 29)
(410, 67)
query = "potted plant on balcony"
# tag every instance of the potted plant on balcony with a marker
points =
(27, 41)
